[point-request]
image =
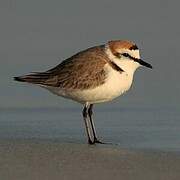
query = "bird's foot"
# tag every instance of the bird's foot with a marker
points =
(98, 141)
(90, 142)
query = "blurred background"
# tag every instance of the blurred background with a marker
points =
(37, 35)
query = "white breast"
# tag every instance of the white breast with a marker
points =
(116, 84)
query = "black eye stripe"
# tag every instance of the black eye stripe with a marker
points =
(125, 55)
(129, 56)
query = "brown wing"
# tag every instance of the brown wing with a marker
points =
(81, 71)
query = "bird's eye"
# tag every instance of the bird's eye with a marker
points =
(125, 54)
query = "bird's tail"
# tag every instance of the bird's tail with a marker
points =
(34, 78)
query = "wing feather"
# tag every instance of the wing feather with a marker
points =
(82, 71)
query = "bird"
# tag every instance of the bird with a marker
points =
(94, 75)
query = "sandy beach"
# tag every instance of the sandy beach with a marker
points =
(33, 160)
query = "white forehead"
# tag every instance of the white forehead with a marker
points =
(134, 53)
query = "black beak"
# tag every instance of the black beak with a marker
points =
(143, 63)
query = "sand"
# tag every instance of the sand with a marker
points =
(33, 160)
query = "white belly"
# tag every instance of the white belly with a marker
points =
(115, 85)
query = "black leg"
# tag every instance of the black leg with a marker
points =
(90, 112)
(85, 116)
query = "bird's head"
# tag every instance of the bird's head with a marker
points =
(125, 54)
